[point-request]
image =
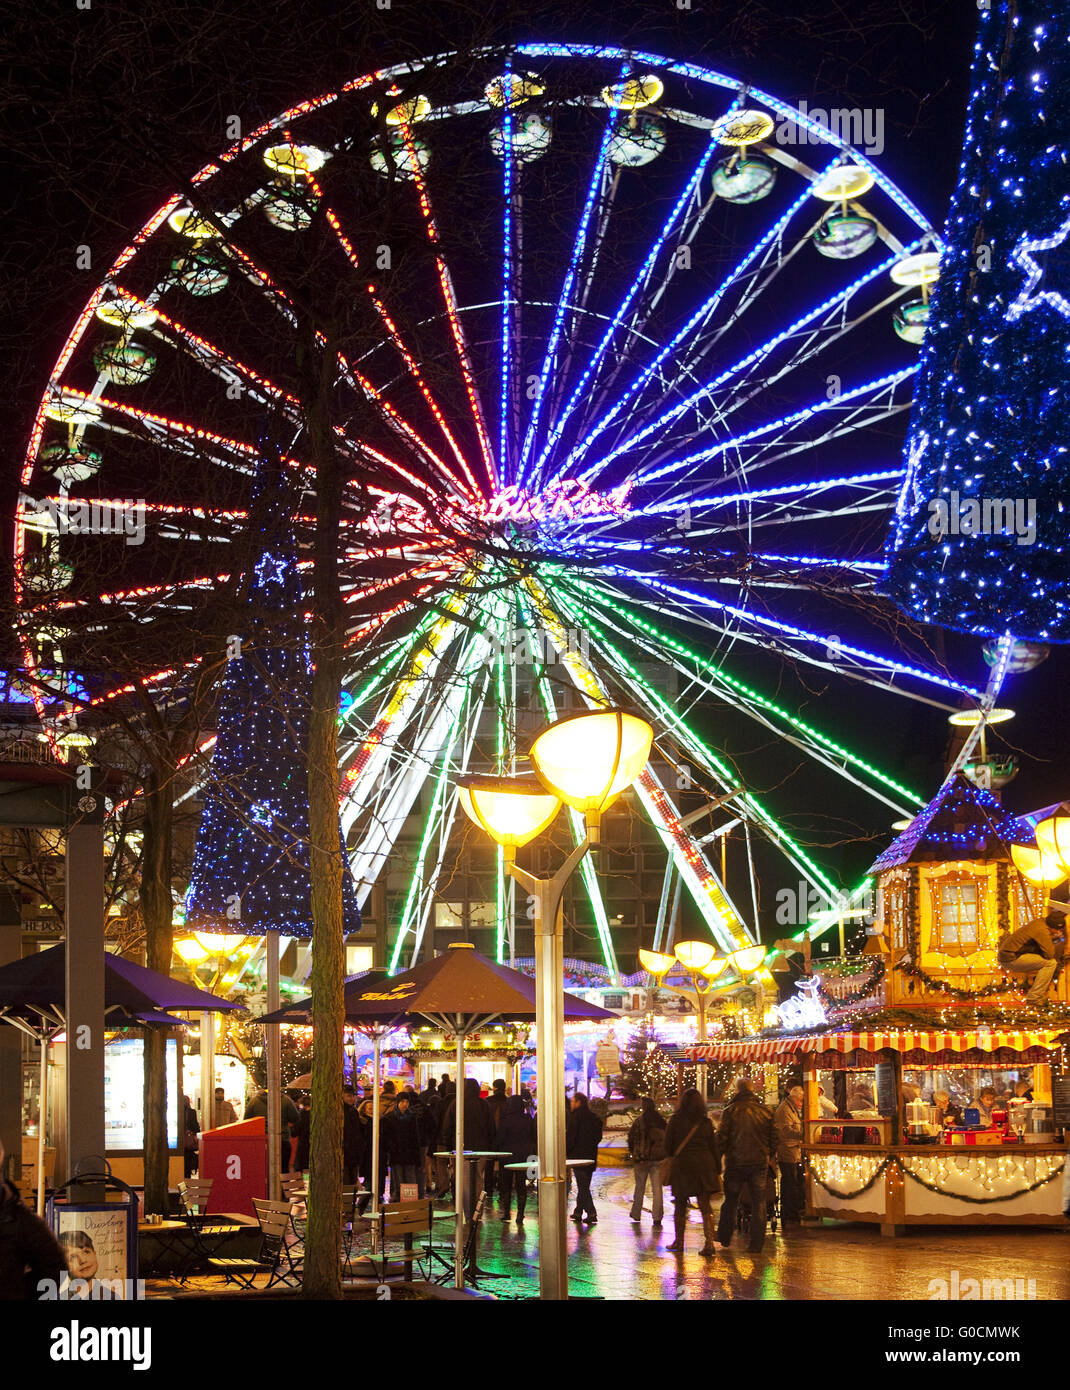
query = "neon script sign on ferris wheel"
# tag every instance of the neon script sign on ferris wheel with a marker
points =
(560, 501)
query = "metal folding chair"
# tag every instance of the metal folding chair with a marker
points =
(209, 1233)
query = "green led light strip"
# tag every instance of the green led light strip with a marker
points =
(718, 674)
(394, 656)
(579, 830)
(713, 763)
(437, 800)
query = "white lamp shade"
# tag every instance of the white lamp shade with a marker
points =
(695, 955)
(1053, 841)
(588, 759)
(512, 810)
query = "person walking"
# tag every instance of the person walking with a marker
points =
(747, 1140)
(583, 1134)
(518, 1134)
(646, 1144)
(787, 1121)
(691, 1144)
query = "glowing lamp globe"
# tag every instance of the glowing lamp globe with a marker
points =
(714, 969)
(588, 759)
(1036, 867)
(219, 943)
(1053, 841)
(190, 950)
(749, 959)
(656, 963)
(694, 955)
(512, 810)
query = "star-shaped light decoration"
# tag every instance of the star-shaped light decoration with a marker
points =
(270, 570)
(1029, 297)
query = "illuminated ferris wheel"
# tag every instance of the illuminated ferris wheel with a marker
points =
(631, 399)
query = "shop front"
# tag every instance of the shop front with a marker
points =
(922, 1128)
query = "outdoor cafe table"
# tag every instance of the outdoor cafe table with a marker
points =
(176, 1241)
(473, 1270)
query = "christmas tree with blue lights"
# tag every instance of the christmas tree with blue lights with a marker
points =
(251, 862)
(979, 541)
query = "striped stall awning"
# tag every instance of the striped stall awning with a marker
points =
(765, 1049)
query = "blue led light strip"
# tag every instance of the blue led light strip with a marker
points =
(682, 406)
(701, 313)
(807, 412)
(803, 634)
(507, 276)
(625, 305)
(566, 289)
(802, 487)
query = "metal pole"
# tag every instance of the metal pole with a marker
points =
(85, 986)
(700, 1070)
(41, 1127)
(377, 1041)
(273, 1053)
(460, 1177)
(550, 1047)
(207, 1071)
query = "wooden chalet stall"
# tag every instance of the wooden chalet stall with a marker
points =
(940, 1016)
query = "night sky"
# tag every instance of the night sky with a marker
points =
(183, 69)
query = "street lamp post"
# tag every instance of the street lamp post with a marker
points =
(586, 760)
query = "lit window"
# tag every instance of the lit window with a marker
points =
(958, 913)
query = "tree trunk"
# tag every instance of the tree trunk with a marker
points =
(157, 911)
(322, 1267)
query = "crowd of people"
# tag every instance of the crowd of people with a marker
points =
(742, 1158)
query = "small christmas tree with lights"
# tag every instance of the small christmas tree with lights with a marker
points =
(648, 1068)
(979, 541)
(251, 862)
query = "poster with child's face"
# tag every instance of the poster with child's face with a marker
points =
(94, 1244)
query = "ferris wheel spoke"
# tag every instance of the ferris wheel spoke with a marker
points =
(828, 314)
(797, 639)
(764, 244)
(450, 300)
(563, 303)
(637, 288)
(714, 679)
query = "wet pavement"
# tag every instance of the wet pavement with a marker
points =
(617, 1260)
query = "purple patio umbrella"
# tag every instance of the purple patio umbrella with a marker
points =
(460, 992)
(33, 995)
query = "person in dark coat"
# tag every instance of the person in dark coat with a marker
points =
(366, 1111)
(691, 1143)
(441, 1166)
(189, 1144)
(354, 1138)
(477, 1135)
(404, 1141)
(518, 1134)
(748, 1145)
(29, 1252)
(303, 1134)
(495, 1104)
(583, 1134)
(288, 1116)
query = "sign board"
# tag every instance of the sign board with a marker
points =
(1060, 1096)
(607, 1059)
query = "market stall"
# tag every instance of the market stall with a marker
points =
(879, 1147)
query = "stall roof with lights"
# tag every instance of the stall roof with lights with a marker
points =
(963, 821)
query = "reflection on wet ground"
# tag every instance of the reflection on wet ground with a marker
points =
(616, 1259)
